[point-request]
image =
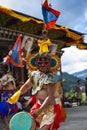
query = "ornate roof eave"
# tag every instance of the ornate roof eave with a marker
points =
(62, 36)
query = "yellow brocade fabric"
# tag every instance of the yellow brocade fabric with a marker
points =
(46, 117)
(44, 45)
(39, 79)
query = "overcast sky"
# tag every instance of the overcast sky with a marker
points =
(73, 15)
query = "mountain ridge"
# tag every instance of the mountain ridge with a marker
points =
(81, 74)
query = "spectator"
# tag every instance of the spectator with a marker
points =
(6, 109)
(86, 88)
(78, 92)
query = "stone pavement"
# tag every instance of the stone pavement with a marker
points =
(76, 119)
(1, 125)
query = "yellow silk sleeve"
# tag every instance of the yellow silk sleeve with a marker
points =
(14, 98)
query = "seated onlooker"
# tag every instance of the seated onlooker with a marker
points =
(6, 109)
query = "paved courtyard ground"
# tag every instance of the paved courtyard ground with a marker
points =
(76, 119)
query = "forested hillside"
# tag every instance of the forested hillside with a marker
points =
(69, 82)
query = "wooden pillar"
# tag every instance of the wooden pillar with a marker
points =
(59, 54)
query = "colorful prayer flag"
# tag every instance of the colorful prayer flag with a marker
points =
(50, 15)
(16, 57)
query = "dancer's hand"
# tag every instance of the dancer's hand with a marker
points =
(37, 112)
